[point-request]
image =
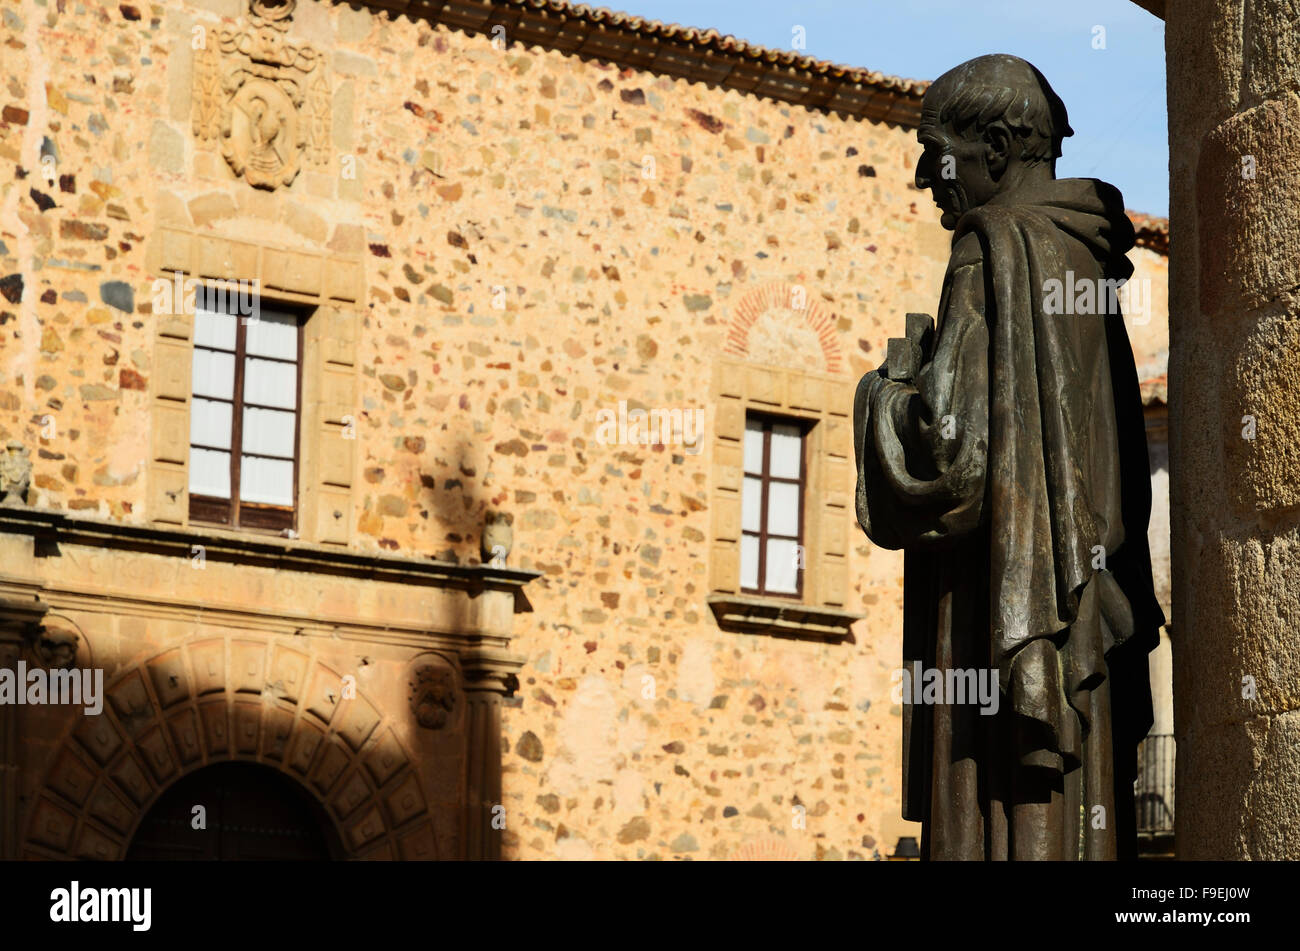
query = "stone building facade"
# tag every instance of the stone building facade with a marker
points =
(566, 274)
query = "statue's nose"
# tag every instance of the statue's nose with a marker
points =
(922, 179)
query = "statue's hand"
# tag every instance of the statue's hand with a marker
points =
(872, 382)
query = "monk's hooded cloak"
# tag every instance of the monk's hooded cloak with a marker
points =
(1013, 473)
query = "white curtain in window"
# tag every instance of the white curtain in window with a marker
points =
(210, 423)
(214, 373)
(781, 566)
(273, 335)
(214, 330)
(753, 446)
(268, 481)
(751, 505)
(268, 432)
(268, 383)
(210, 473)
(787, 452)
(748, 561)
(782, 508)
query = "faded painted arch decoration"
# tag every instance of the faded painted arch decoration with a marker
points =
(791, 304)
(214, 700)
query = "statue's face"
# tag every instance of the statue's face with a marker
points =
(955, 169)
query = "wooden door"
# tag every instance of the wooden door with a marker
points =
(253, 813)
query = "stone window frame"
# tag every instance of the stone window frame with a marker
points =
(230, 512)
(823, 402)
(332, 286)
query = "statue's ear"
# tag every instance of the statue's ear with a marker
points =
(998, 142)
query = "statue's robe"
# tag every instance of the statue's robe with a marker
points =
(1003, 527)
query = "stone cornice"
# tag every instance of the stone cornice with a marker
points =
(283, 622)
(51, 528)
(18, 614)
(683, 52)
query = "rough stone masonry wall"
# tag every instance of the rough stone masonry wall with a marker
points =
(1234, 146)
(524, 169)
(523, 272)
(74, 347)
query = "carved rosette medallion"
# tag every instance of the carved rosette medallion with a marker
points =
(264, 99)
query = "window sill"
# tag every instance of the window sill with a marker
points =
(233, 531)
(782, 617)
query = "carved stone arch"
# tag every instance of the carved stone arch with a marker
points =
(782, 324)
(221, 699)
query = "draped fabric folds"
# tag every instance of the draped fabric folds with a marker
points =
(1013, 472)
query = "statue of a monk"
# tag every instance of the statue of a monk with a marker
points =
(1003, 449)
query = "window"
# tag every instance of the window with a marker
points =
(771, 544)
(782, 501)
(244, 417)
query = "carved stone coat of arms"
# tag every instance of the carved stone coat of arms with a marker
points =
(264, 99)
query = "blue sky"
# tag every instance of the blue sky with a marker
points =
(1115, 96)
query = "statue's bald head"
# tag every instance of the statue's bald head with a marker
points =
(999, 87)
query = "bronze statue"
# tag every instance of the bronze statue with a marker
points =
(1004, 451)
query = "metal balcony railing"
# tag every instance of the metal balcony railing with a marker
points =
(1154, 788)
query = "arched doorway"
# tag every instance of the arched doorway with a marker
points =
(167, 721)
(253, 813)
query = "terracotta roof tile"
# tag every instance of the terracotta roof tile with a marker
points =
(728, 43)
(721, 59)
(1152, 232)
(1155, 391)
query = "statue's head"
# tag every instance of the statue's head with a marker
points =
(988, 127)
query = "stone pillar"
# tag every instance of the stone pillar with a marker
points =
(490, 674)
(1234, 380)
(489, 677)
(18, 617)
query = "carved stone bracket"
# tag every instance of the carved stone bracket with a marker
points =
(15, 473)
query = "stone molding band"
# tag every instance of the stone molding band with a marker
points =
(51, 528)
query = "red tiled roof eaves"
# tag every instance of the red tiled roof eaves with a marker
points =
(681, 51)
